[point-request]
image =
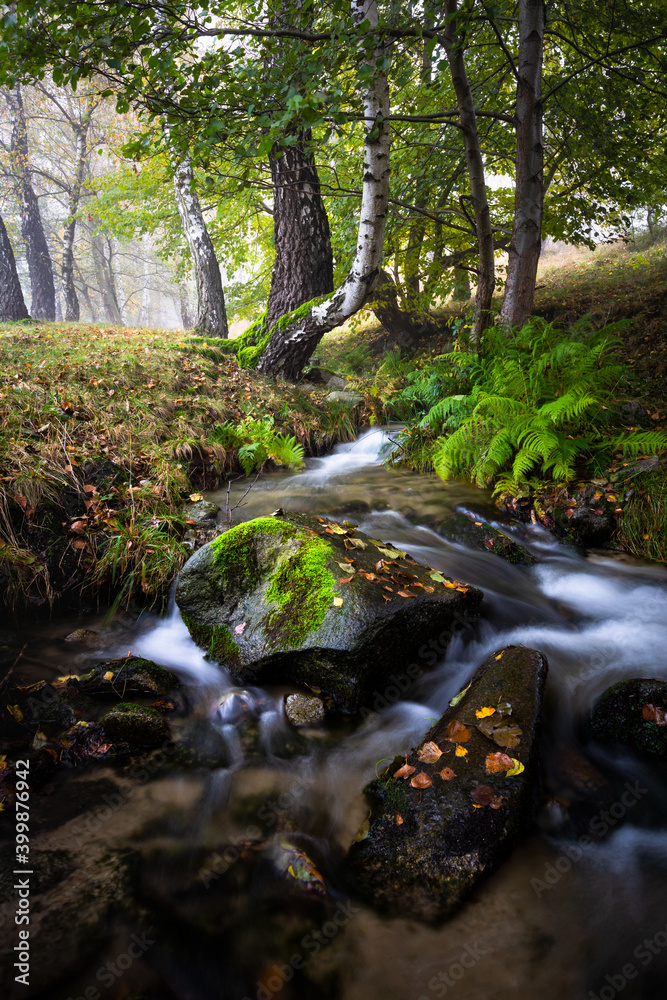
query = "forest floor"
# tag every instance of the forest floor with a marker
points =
(106, 433)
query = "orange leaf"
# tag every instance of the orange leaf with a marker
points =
(456, 732)
(404, 593)
(482, 713)
(421, 780)
(498, 762)
(405, 771)
(447, 774)
(399, 819)
(345, 579)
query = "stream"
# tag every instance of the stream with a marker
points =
(207, 850)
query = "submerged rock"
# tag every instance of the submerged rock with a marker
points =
(84, 635)
(127, 675)
(304, 709)
(468, 530)
(449, 813)
(136, 725)
(633, 712)
(297, 599)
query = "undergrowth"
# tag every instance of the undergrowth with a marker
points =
(535, 407)
(107, 431)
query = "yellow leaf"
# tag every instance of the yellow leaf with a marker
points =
(482, 713)
(461, 751)
(338, 602)
(195, 497)
(517, 769)
(499, 656)
(108, 676)
(16, 712)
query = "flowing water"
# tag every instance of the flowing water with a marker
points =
(209, 847)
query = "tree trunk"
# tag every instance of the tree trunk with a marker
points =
(39, 259)
(72, 310)
(289, 349)
(12, 303)
(211, 312)
(187, 318)
(526, 241)
(453, 45)
(303, 267)
(106, 282)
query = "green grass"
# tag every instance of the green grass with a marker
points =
(643, 528)
(105, 433)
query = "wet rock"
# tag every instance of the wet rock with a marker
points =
(127, 676)
(434, 833)
(295, 599)
(200, 511)
(466, 529)
(633, 712)
(590, 523)
(68, 920)
(304, 709)
(136, 725)
(82, 635)
(38, 706)
(320, 376)
(347, 399)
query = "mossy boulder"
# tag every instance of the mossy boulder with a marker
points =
(136, 725)
(296, 599)
(475, 533)
(633, 712)
(435, 832)
(128, 675)
(201, 511)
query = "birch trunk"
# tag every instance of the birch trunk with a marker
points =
(12, 303)
(211, 313)
(37, 250)
(526, 242)
(72, 309)
(452, 44)
(289, 349)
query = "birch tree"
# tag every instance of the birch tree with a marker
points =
(12, 304)
(289, 348)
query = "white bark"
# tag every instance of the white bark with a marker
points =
(211, 313)
(290, 348)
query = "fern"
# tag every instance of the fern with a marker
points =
(534, 408)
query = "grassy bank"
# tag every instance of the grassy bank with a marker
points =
(107, 431)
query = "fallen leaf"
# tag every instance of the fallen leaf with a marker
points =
(390, 589)
(405, 593)
(482, 713)
(15, 710)
(78, 527)
(499, 656)
(651, 713)
(496, 802)
(108, 676)
(502, 731)
(429, 590)
(447, 774)
(385, 598)
(240, 628)
(461, 751)
(390, 553)
(458, 697)
(498, 762)
(438, 577)
(399, 819)
(347, 567)
(405, 771)
(517, 769)
(354, 543)
(429, 753)
(195, 497)
(338, 602)
(483, 795)
(456, 732)
(421, 780)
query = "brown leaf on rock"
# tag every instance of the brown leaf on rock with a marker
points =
(421, 780)
(497, 801)
(456, 732)
(345, 579)
(405, 771)
(498, 762)
(483, 795)
(399, 819)
(405, 593)
(653, 713)
(447, 774)
(501, 730)
(429, 753)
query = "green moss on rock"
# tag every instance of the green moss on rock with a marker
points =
(136, 725)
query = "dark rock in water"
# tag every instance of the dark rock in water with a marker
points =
(132, 675)
(136, 725)
(304, 709)
(70, 916)
(466, 529)
(37, 706)
(297, 599)
(9, 650)
(82, 635)
(450, 817)
(200, 511)
(587, 521)
(633, 712)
